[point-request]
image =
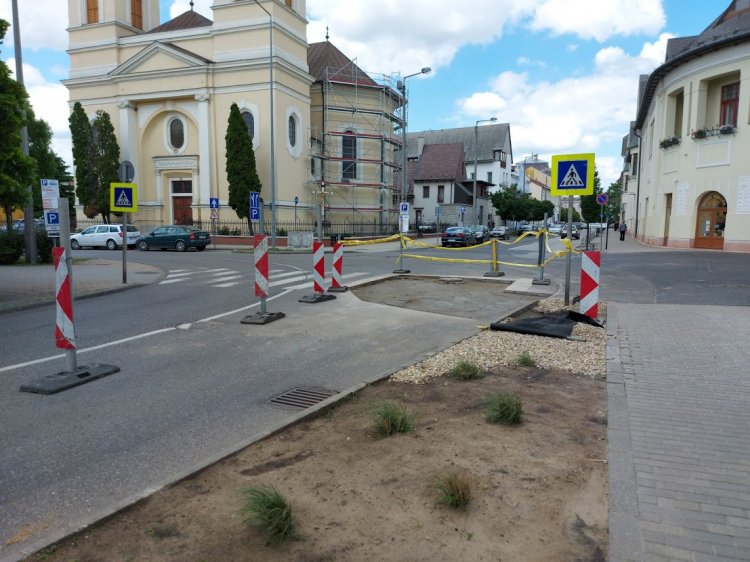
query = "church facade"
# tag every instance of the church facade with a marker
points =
(168, 89)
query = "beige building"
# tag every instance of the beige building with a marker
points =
(169, 87)
(688, 176)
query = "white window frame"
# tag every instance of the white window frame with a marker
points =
(168, 137)
(296, 150)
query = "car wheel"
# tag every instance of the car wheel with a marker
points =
(142, 245)
(201, 248)
(75, 245)
(111, 244)
(180, 246)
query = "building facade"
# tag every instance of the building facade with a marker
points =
(692, 182)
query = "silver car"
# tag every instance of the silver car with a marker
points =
(103, 236)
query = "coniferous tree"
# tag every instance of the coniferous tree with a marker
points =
(589, 206)
(83, 160)
(107, 161)
(242, 173)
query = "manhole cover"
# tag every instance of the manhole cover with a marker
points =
(303, 397)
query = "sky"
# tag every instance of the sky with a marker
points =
(563, 73)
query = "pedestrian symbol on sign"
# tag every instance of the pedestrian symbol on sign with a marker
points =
(572, 179)
(122, 198)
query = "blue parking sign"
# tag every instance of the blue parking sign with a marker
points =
(254, 205)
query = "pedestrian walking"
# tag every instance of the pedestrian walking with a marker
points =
(622, 228)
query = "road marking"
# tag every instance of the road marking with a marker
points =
(328, 281)
(180, 274)
(223, 285)
(170, 281)
(222, 279)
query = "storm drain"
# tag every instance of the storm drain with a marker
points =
(303, 397)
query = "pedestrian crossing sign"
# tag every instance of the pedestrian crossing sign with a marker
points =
(123, 197)
(572, 174)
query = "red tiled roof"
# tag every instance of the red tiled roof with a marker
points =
(326, 62)
(440, 162)
(188, 20)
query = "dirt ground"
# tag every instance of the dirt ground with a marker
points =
(539, 489)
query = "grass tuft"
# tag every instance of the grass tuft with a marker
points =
(504, 408)
(464, 371)
(390, 417)
(525, 360)
(455, 490)
(267, 509)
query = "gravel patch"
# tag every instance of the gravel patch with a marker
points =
(490, 349)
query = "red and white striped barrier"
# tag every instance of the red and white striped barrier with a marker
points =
(337, 285)
(65, 337)
(319, 267)
(590, 266)
(261, 265)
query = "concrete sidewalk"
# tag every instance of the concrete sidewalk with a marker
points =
(26, 286)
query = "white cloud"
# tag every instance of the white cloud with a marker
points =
(599, 19)
(40, 24)
(575, 114)
(178, 7)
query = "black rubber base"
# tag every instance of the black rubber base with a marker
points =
(540, 281)
(317, 297)
(402, 271)
(265, 318)
(495, 274)
(52, 384)
(342, 289)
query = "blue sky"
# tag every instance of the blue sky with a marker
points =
(563, 73)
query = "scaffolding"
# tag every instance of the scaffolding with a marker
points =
(356, 147)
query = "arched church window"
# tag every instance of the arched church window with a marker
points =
(176, 133)
(250, 122)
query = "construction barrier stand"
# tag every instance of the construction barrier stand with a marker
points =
(64, 329)
(590, 266)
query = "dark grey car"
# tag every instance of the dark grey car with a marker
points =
(459, 236)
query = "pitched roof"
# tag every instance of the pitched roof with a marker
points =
(490, 137)
(440, 162)
(187, 20)
(326, 62)
(730, 28)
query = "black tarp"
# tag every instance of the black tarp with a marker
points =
(556, 325)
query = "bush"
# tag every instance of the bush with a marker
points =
(268, 510)
(11, 247)
(281, 232)
(464, 371)
(455, 490)
(525, 360)
(389, 418)
(224, 231)
(43, 247)
(504, 408)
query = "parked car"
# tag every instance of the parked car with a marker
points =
(555, 228)
(482, 233)
(575, 233)
(499, 232)
(20, 226)
(459, 236)
(528, 228)
(176, 237)
(103, 236)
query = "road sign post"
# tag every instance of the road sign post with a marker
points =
(403, 228)
(123, 198)
(572, 174)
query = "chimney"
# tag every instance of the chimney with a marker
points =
(420, 146)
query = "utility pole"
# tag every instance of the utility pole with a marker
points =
(29, 230)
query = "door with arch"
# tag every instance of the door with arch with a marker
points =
(712, 218)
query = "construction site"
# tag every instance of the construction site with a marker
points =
(356, 140)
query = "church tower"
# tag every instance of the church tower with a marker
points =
(168, 88)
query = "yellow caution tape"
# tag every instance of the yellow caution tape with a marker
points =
(366, 242)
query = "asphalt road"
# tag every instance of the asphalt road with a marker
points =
(195, 384)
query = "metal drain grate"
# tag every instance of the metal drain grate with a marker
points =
(303, 397)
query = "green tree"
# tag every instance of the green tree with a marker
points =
(564, 216)
(242, 173)
(107, 160)
(612, 208)
(48, 164)
(589, 206)
(16, 169)
(83, 160)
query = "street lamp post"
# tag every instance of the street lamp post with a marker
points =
(271, 122)
(401, 85)
(476, 156)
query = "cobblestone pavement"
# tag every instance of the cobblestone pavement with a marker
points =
(679, 432)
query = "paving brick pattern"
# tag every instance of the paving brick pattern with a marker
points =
(679, 407)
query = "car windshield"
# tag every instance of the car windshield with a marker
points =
(455, 229)
(132, 228)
